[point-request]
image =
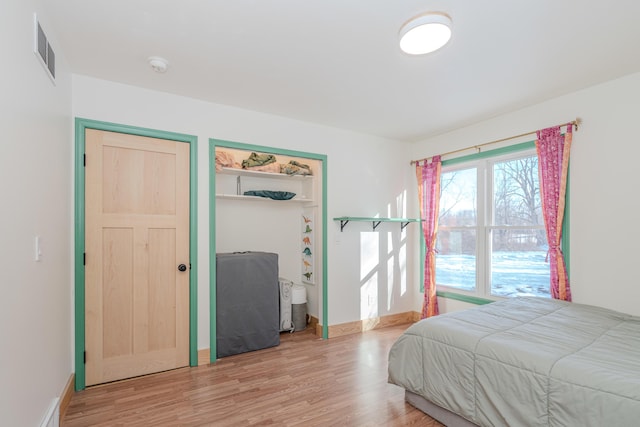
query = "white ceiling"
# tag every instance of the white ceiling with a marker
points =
(337, 62)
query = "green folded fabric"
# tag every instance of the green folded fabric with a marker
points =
(258, 160)
(275, 195)
(295, 168)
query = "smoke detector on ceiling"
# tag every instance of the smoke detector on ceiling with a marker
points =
(158, 64)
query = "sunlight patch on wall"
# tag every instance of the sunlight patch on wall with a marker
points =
(390, 271)
(369, 265)
(396, 266)
(401, 206)
(369, 254)
(378, 253)
(369, 298)
(402, 258)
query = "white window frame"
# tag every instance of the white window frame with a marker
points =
(484, 162)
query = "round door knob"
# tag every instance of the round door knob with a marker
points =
(182, 267)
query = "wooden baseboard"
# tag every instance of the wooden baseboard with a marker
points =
(369, 324)
(204, 356)
(315, 325)
(360, 326)
(65, 398)
(344, 328)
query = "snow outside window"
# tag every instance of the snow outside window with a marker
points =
(491, 237)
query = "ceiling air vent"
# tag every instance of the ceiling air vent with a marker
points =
(43, 50)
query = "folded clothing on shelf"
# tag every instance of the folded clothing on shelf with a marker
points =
(275, 195)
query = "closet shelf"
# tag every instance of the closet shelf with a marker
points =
(375, 222)
(265, 199)
(301, 185)
(246, 172)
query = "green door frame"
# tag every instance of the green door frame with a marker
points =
(79, 214)
(213, 143)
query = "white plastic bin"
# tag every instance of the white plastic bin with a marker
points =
(299, 307)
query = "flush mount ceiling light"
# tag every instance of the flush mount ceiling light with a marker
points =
(158, 64)
(425, 33)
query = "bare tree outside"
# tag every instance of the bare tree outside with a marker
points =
(517, 203)
(458, 201)
(455, 259)
(515, 228)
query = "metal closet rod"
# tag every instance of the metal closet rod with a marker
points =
(575, 123)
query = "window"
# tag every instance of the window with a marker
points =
(491, 236)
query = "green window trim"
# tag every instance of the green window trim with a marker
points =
(465, 298)
(566, 229)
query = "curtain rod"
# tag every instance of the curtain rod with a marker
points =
(574, 123)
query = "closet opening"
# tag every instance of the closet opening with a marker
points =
(265, 200)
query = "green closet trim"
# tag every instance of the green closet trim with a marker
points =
(79, 238)
(566, 229)
(213, 143)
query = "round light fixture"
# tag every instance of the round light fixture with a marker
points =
(425, 33)
(158, 64)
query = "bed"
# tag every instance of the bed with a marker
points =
(523, 362)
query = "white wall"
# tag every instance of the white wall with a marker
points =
(35, 185)
(365, 178)
(603, 193)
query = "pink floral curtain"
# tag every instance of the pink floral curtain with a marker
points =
(429, 197)
(553, 164)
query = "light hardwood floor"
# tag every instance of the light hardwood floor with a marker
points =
(305, 381)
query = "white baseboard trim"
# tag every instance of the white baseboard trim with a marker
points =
(52, 416)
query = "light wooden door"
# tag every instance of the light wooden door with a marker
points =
(137, 235)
